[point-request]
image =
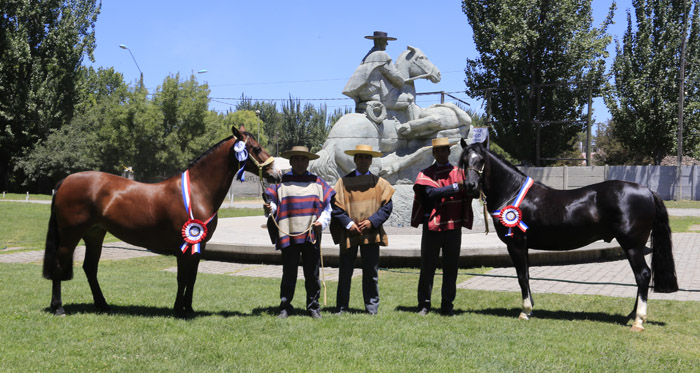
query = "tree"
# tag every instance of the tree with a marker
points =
(270, 121)
(526, 50)
(76, 146)
(43, 44)
(643, 102)
(306, 127)
(611, 151)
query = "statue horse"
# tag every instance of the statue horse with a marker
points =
(392, 122)
(528, 214)
(162, 217)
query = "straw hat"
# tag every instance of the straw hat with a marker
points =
(364, 149)
(299, 150)
(441, 141)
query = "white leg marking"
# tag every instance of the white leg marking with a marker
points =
(527, 309)
(641, 316)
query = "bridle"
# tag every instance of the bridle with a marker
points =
(259, 165)
(482, 196)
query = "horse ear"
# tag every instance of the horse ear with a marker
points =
(236, 133)
(463, 143)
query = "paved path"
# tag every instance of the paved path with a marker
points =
(686, 254)
(236, 233)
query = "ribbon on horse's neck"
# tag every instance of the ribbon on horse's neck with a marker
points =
(511, 216)
(193, 231)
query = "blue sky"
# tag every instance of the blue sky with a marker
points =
(306, 48)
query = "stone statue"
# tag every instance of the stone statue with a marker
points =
(377, 79)
(387, 118)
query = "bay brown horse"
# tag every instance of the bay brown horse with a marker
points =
(87, 205)
(528, 214)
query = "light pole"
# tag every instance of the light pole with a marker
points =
(257, 114)
(122, 46)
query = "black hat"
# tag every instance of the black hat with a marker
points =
(380, 35)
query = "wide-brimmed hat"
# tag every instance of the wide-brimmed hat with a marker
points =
(380, 35)
(441, 141)
(299, 150)
(363, 149)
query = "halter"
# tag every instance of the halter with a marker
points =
(482, 196)
(242, 156)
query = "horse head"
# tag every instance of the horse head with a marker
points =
(474, 162)
(262, 162)
(413, 63)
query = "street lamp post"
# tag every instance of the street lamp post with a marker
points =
(257, 114)
(122, 46)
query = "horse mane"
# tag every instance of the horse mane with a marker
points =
(504, 161)
(209, 151)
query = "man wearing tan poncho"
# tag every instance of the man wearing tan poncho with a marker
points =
(362, 205)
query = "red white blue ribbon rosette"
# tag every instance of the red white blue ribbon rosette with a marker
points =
(511, 216)
(194, 231)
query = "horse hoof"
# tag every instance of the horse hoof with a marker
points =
(523, 316)
(59, 312)
(637, 328)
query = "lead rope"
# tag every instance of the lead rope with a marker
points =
(323, 274)
(482, 198)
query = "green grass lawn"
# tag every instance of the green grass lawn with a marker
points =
(236, 328)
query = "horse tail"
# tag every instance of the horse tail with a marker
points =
(663, 269)
(52, 268)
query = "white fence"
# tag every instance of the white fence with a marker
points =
(661, 179)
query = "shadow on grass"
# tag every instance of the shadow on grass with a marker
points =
(143, 311)
(541, 314)
(560, 315)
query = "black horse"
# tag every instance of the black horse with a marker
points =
(528, 214)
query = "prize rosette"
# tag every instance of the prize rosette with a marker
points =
(510, 216)
(193, 232)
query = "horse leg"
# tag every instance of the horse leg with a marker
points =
(191, 278)
(642, 276)
(518, 254)
(187, 265)
(93, 250)
(61, 267)
(56, 302)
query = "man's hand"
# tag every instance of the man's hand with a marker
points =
(355, 229)
(365, 224)
(267, 208)
(317, 224)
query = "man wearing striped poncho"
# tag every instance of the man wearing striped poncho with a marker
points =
(301, 207)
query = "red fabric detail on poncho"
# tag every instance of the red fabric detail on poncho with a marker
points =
(451, 212)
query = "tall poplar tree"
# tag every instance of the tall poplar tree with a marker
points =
(643, 101)
(527, 48)
(42, 45)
